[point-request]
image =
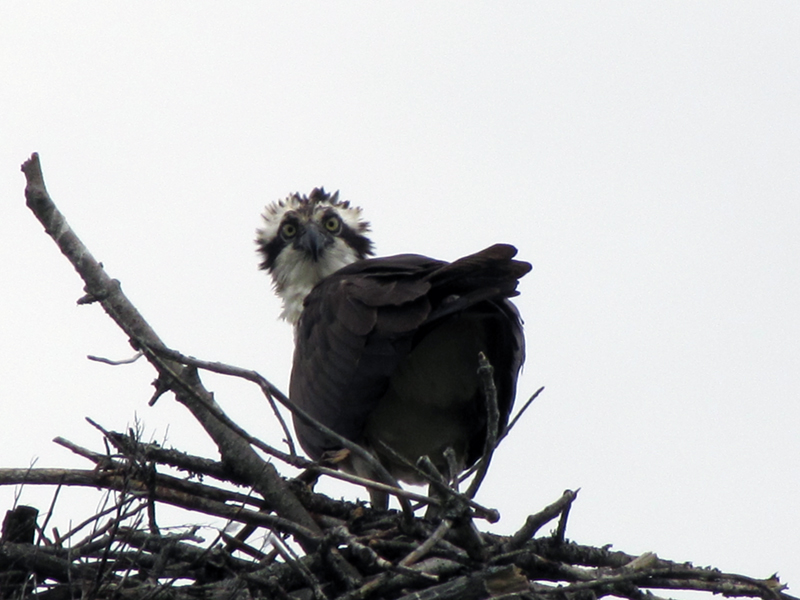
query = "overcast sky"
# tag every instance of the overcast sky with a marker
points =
(645, 157)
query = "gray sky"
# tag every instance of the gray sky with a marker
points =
(643, 156)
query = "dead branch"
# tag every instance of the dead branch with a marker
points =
(486, 374)
(273, 393)
(236, 453)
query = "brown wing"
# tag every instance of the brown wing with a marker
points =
(359, 323)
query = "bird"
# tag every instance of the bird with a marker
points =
(386, 349)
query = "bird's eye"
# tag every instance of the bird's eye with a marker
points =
(333, 224)
(288, 230)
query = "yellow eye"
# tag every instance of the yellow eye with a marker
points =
(288, 230)
(332, 224)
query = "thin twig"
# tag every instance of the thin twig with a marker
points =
(95, 519)
(270, 390)
(435, 479)
(291, 559)
(48, 515)
(115, 363)
(519, 414)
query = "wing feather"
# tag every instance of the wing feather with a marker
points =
(360, 322)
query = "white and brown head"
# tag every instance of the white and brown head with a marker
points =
(306, 238)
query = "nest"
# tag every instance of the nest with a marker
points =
(311, 546)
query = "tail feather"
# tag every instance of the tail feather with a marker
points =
(491, 268)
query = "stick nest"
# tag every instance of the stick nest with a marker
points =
(307, 545)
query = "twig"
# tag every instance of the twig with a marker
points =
(561, 531)
(116, 363)
(196, 464)
(291, 559)
(98, 531)
(429, 543)
(486, 376)
(169, 495)
(101, 460)
(48, 515)
(534, 522)
(466, 474)
(268, 389)
(437, 482)
(519, 414)
(271, 391)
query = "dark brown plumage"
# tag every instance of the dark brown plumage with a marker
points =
(387, 353)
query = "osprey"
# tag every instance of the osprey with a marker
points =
(386, 349)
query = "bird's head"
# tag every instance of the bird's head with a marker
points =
(306, 238)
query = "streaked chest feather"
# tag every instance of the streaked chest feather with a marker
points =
(296, 275)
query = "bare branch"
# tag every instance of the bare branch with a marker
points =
(486, 375)
(235, 451)
(535, 522)
(271, 391)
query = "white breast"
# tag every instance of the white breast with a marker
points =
(295, 275)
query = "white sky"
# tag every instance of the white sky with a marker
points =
(645, 157)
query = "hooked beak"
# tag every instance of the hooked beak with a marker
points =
(312, 242)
